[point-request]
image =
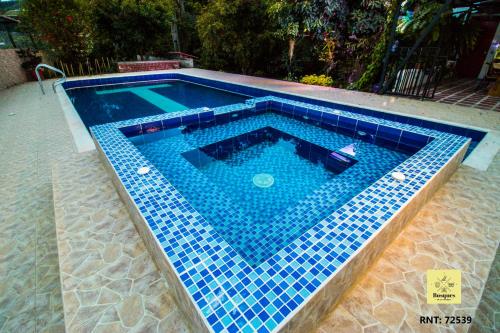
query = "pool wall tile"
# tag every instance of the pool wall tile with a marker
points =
(330, 292)
(133, 130)
(315, 115)
(367, 127)
(152, 127)
(389, 133)
(171, 122)
(331, 119)
(196, 322)
(207, 116)
(214, 286)
(414, 139)
(190, 119)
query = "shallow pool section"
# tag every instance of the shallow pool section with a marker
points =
(115, 102)
(290, 284)
(262, 181)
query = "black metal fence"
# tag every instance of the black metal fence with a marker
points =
(418, 77)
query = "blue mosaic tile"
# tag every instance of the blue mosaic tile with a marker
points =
(231, 294)
(228, 292)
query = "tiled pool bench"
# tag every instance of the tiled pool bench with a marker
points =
(289, 292)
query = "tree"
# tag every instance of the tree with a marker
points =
(63, 25)
(322, 20)
(372, 71)
(366, 23)
(186, 15)
(126, 28)
(235, 35)
(455, 34)
(290, 20)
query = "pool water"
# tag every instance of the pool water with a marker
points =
(103, 104)
(263, 181)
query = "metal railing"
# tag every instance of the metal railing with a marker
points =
(410, 77)
(418, 76)
(58, 81)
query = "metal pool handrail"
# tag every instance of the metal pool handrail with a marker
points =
(57, 70)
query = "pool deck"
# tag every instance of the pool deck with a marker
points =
(109, 281)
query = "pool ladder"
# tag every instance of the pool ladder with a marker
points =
(55, 83)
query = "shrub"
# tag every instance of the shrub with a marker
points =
(318, 80)
(62, 25)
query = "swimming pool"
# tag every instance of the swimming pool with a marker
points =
(100, 104)
(94, 108)
(166, 167)
(270, 177)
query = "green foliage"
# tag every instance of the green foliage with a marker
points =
(413, 25)
(288, 18)
(322, 20)
(454, 34)
(365, 25)
(313, 18)
(126, 28)
(76, 29)
(318, 80)
(363, 22)
(344, 39)
(30, 58)
(236, 35)
(372, 70)
(60, 24)
(9, 7)
(186, 15)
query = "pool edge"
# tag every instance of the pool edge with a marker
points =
(81, 137)
(313, 310)
(191, 313)
(306, 317)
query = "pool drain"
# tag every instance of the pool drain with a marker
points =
(263, 180)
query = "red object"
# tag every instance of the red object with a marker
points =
(470, 64)
(183, 55)
(69, 18)
(33, 74)
(144, 66)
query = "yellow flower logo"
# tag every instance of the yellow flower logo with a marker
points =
(444, 286)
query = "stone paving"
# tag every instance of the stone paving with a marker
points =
(487, 317)
(109, 281)
(466, 92)
(457, 229)
(32, 134)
